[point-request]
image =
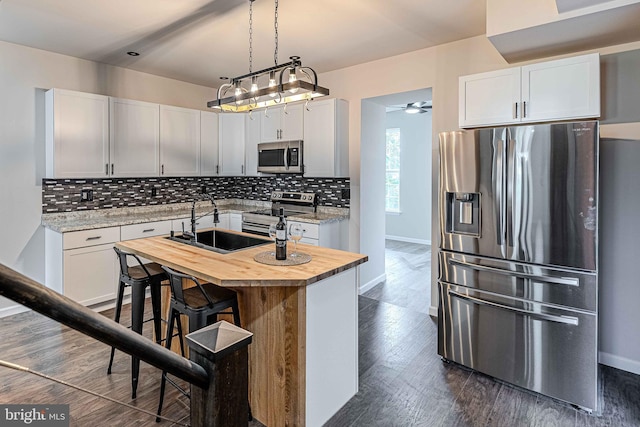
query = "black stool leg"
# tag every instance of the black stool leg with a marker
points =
(167, 343)
(116, 318)
(236, 313)
(156, 304)
(137, 314)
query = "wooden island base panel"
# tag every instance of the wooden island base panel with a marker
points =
(303, 360)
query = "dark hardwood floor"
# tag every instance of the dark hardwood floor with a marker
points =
(403, 382)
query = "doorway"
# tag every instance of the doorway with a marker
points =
(396, 228)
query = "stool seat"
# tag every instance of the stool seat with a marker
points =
(195, 299)
(136, 272)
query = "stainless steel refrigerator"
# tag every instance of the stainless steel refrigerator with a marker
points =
(518, 276)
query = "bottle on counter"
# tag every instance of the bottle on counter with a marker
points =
(281, 237)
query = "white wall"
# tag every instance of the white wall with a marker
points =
(372, 194)
(414, 221)
(25, 74)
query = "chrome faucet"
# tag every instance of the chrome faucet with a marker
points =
(193, 235)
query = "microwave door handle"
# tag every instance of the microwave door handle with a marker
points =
(286, 158)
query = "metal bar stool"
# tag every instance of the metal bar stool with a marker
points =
(201, 304)
(138, 277)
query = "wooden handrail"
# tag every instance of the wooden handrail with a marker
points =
(32, 294)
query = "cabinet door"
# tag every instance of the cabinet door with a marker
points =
(90, 274)
(564, 89)
(253, 126)
(270, 124)
(320, 139)
(208, 143)
(134, 138)
(489, 98)
(292, 122)
(224, 221)
(179, 141)
(232, 139)
(201, 223)
(235, 222)
(77, 134)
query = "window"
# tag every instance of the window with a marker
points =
(392, 182)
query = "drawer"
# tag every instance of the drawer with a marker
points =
(97, 236)
(542, 284)
(311, 231)
(146, 229)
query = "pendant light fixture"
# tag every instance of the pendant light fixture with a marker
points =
(281, 83)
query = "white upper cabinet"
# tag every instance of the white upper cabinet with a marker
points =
(489, 98)
(554, 90)
(231, 141)
(563, 89)
(77, 134)
(326, 138)
(134, 138)
(282, 123)
(208, 143)
(179, 141)
(253, 123)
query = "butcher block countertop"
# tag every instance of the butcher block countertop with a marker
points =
(238, 269)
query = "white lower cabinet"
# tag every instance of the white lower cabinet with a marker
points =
(328, 234)
(82, 265)
(235, 222)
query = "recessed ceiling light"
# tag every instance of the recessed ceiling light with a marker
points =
(132, 53)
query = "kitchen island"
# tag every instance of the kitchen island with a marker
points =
(303, 361)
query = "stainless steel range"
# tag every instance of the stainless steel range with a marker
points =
(294, 204)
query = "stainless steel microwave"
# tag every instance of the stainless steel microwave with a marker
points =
(280, 157)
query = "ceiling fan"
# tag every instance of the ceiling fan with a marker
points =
(417, 107)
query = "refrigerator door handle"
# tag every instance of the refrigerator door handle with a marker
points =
(568, 320)
(568, 281)
(511, 176)
(498, 182)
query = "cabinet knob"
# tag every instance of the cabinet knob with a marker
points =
(111, 168)
(515, 110)
(524, 109)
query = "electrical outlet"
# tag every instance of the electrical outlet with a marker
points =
(154, 192)
(86, 195)
(203, 189)
(345, 193)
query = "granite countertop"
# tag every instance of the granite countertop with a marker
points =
(85, 220)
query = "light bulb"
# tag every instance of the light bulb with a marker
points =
(293, 78)
(238, 93)
(272, 82)
(254, 84)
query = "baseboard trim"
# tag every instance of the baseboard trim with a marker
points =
(371, 283)
(433, 311)
(17, 309)
(14, 309)
(409, 240)
(619, 362)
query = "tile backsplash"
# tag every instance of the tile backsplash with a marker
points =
(64, 195)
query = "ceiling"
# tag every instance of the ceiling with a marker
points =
(200, 40)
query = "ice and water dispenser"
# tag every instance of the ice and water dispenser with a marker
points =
(463, 213)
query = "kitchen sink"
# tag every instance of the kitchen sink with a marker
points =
(221, 241)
